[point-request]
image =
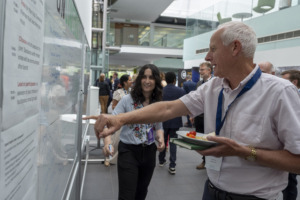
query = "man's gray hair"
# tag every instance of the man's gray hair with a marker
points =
(239, 31)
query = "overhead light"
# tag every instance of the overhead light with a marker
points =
(184, 8)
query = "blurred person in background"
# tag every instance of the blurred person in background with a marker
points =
(108, 80)
(293, 76)
(115, 82)
(125, 83)
(104, 92)
(171, 92)
(267, 67)
(163, 79)
(205, 71)
(189, 86)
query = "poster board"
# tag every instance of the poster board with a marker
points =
(42, 76)
(21, 75)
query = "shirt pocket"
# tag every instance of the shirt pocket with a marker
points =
(248, 128)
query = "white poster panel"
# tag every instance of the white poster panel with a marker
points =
(22, 60)
(18, 160)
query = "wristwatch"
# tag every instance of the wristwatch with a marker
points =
(252, 156)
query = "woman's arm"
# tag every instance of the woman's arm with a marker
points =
(114, 103)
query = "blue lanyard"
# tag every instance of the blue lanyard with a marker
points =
(248, 86)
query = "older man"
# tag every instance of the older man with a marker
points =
(267, 67)
(256, 118)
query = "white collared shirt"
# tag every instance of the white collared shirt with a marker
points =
(267, 116)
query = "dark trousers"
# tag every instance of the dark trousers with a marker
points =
(213, 193)
(199, 125)
(136, 164)
(291, 191)
(172, 133)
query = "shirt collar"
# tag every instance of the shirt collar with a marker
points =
(225, 83)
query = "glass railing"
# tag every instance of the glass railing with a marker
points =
(232, 10)
(145, 35)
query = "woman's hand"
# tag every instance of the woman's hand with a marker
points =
(107, 141)
(108, 152)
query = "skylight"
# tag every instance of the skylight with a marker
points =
(185, 8)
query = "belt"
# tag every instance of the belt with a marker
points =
(221, 194)
(143, 145)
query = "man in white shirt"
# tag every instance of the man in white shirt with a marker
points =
(257, 120)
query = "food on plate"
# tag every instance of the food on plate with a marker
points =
(192, 134)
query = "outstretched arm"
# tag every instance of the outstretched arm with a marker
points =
(156, 112)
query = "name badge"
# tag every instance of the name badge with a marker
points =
(213, 163)
(150, 136)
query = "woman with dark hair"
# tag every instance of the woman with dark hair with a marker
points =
(137, 149)
(125, 82)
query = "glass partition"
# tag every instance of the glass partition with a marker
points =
(154, 35)
(168, 37)
(222, 11)
(63, 78)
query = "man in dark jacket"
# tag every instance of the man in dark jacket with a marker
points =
(103, 92)
(205, 71)
(189, 86)
(116, 82)
(171, 92)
